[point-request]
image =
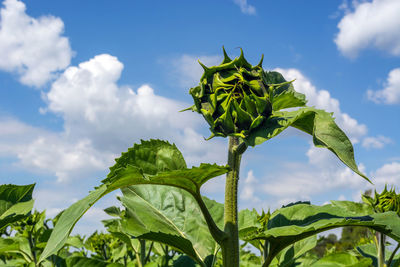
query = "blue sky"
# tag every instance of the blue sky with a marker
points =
(81, 81)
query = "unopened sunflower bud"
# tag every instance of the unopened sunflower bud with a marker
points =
(386, 201)
(233, 97)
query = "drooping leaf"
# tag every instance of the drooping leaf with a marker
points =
(167, 215)
(151, 162)
(318, 123)
(15, 203)
(289, 255)
(293, 223)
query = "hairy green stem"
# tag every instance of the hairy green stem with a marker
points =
(230, 246)
(381, 249)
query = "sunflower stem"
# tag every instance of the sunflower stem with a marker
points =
(230, 246)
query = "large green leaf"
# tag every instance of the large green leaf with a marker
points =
(289, 255)
(283, 94)
(341, 259)
(247, 221)
(293, 223)
(151, 157)
(318, 123)
(170, 216)
(151, 162)
(15, 203)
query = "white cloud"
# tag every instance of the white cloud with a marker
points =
(387, 174)
(56, 155)
(102, 119)
(94, 106)
(33, 48)
(245, 7)
(248, 188)
(372, 24)
(390, 94)
(15, 136)
(48, 152)
(376, 142)
(323, 100)
(187, 70)
(305, 181)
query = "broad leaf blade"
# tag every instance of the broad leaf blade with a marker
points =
(289, 255)
(68, 219)
(291, 224)
(318, 123)
(167, 215)
(151, 156)
(283, 96)
(248, 221)
(147, 164)
(15, 203)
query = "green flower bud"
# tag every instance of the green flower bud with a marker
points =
(264, 218)
(233, 97)
(385, 201)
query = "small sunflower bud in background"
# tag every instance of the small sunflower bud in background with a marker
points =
(233, 97)
(385, 201)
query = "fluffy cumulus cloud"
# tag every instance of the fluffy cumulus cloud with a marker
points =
(16, 135)
(324, 174)
(104, 118)
(387, 174)
(320, 180)
(34, 48)
(57, 156)
(371, 24)
(377, 142)
(47, 152)
(322, 99)
(390, 94)
(298, 181)
(245, 7)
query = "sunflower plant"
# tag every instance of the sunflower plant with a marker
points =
(161, 194)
